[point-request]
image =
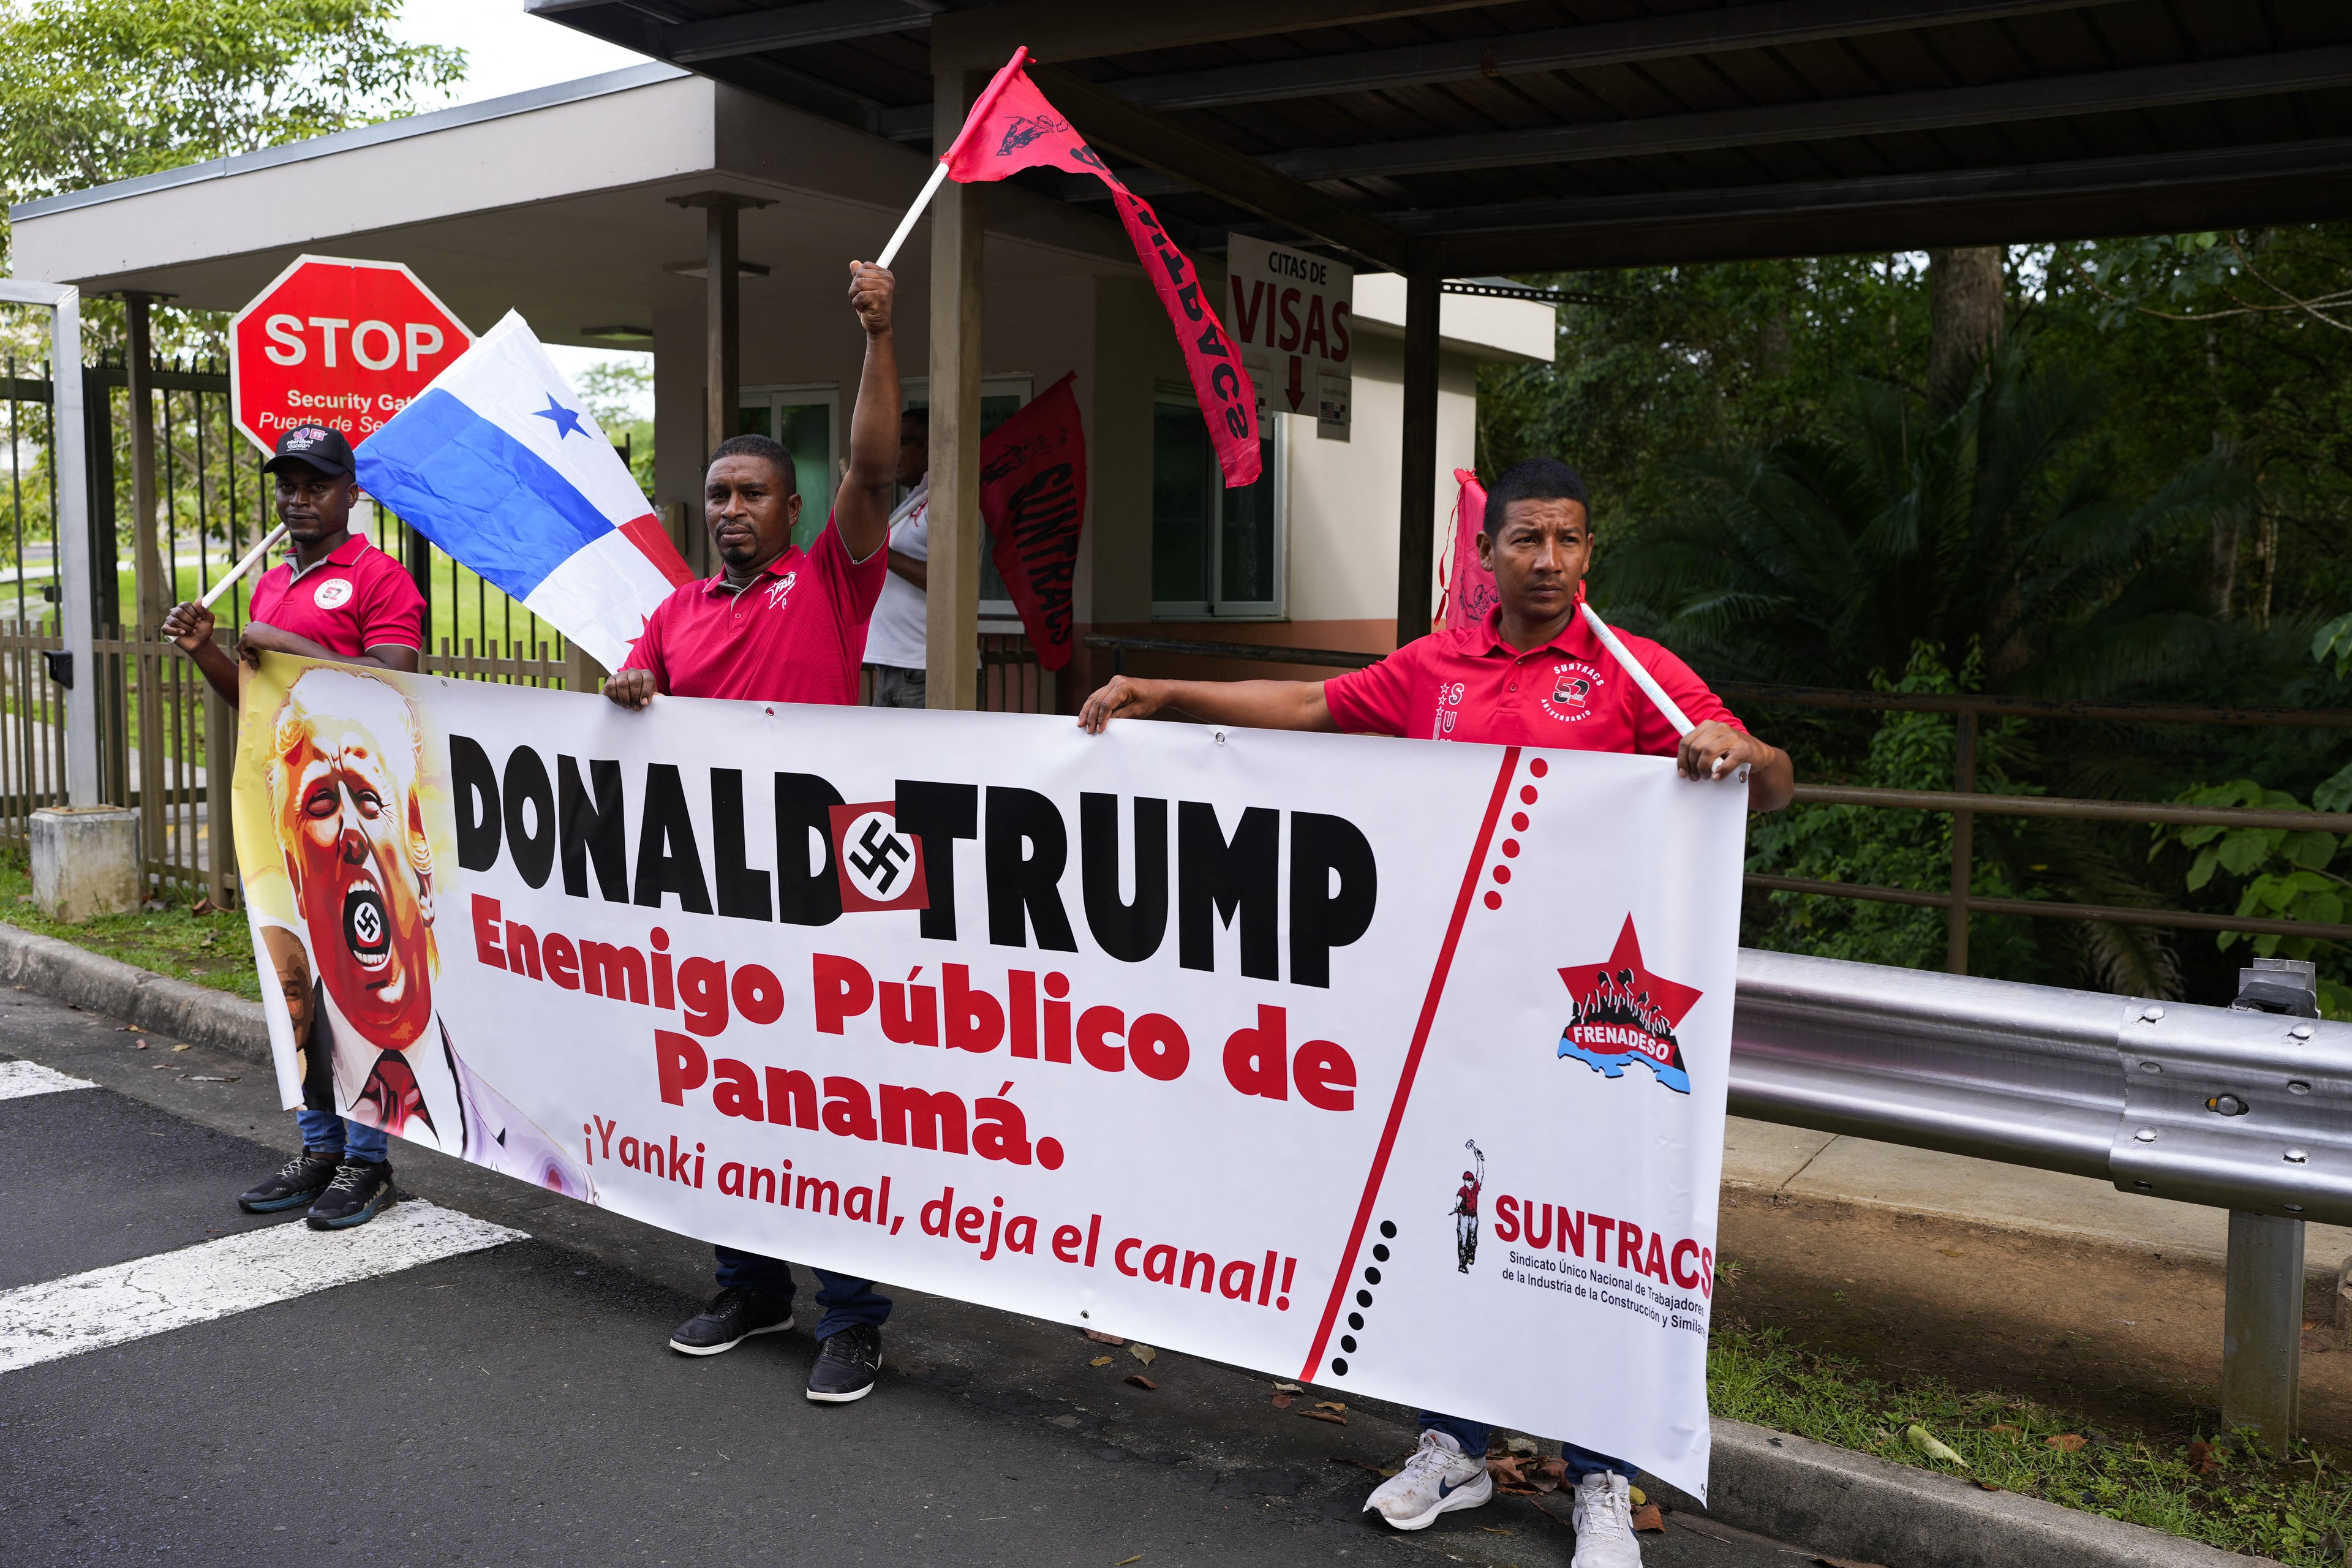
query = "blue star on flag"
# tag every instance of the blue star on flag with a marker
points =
(565, 420)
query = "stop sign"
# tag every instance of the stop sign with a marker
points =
(345, 344)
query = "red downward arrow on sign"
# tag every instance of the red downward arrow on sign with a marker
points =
(1296, 391)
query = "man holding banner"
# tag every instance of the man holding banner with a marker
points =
(779, 624)
(1538, 672)
(339, 597)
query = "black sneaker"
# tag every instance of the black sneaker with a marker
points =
(362, 1189)
(300, 1180)
(847, 1365)
(734, 1315)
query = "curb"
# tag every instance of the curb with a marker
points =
(1857, 1505)
(196, 1014)
(1785, 1487)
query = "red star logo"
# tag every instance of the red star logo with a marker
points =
(1673, 1000)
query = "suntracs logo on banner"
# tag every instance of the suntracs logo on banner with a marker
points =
(881, 868)
(1625, 1012)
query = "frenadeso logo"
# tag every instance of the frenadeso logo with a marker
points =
(881, 868)
(1625, 1013)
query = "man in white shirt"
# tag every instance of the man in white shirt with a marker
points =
(896, 652)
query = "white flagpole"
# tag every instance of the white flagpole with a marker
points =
(906, 224)
(242, 567)
(1641, 678)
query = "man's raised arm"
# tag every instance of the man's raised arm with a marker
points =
(1253, 704)
(861, 509)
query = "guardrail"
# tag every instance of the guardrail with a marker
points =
(1965, 802)
(2241, 1108)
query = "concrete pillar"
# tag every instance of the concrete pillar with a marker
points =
(1417, 494)
(86, 862)
(958, 241)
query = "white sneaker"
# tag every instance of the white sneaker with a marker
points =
(1438, 1478)
(1604, 1516)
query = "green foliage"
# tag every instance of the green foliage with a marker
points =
(211, 949)
(2283, 874)
(2236, 1499)
(97, 91)
(614, 390)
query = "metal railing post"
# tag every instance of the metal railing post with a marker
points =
(2261, 1327)
(1964, 834)
(2261, 1313)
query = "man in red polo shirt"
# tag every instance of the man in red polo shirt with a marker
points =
(336, 596)
(1533, 675)
(780, 624)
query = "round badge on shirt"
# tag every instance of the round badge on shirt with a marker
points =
(332, 594)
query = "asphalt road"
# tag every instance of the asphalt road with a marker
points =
(517, 1403)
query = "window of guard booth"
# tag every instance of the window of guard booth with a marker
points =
(805, 418)
(1216, 552)
(999, 396)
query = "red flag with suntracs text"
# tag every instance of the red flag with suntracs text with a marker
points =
(1032, 494)
(1012, 128)
(1470, 589)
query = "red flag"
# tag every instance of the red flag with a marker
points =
(1012, 128)
(1033, 493)
(1470, 590)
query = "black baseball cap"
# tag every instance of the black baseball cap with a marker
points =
(314, 446)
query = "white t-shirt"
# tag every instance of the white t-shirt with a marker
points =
(895, 635)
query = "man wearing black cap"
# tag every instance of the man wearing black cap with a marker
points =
(339, 597)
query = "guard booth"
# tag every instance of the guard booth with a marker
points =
(654, 208)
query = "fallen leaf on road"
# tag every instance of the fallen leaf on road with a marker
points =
(1521, 1444)
(140, 1046)
(2200, 1456)
(1142, 1382)
(1143, 1354)
(183, 1048)
(2066, 1442)
(1648, 1518)
(1100, 1360)
(1287, 1388)
(1507, 1477)
(1102, 1339)
(1282, 1402)
(1496, 1529)
(1988, 1487)
(1123, 1562)
(1324, 1416)
(1329, 1405)
(1556, 1471)
(1636, 1494)
(201, 1078)
(1935, 1448)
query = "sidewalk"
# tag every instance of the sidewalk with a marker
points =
(1800, 1162)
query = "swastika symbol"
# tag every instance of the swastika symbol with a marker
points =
(878, 867)
(367, 925)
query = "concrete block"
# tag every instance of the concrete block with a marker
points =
(86, 861)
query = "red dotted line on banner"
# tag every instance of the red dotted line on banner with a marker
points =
(1510, 847)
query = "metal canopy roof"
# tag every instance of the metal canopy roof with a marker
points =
(1547, 135)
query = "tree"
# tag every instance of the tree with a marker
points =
(1967, 300)
(97, 91)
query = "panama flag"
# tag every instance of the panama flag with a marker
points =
(497, 462)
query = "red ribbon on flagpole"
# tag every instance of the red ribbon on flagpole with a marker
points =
(1012, 128)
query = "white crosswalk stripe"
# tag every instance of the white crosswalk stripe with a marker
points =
(126, 1301)
(19, 1080)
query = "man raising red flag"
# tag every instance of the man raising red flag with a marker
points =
(1012, 128)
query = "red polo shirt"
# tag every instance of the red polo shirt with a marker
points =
(795, 635)
(356, 599)
(1568, 694)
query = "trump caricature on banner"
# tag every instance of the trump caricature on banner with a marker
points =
(341, 855)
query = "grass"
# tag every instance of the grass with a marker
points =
(2216, 1488)
(211, 949)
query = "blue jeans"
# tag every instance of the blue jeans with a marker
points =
(844, 1300)
(1474, 1436)
(325, 1130)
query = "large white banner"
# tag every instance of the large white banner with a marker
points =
(1391, 1066)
